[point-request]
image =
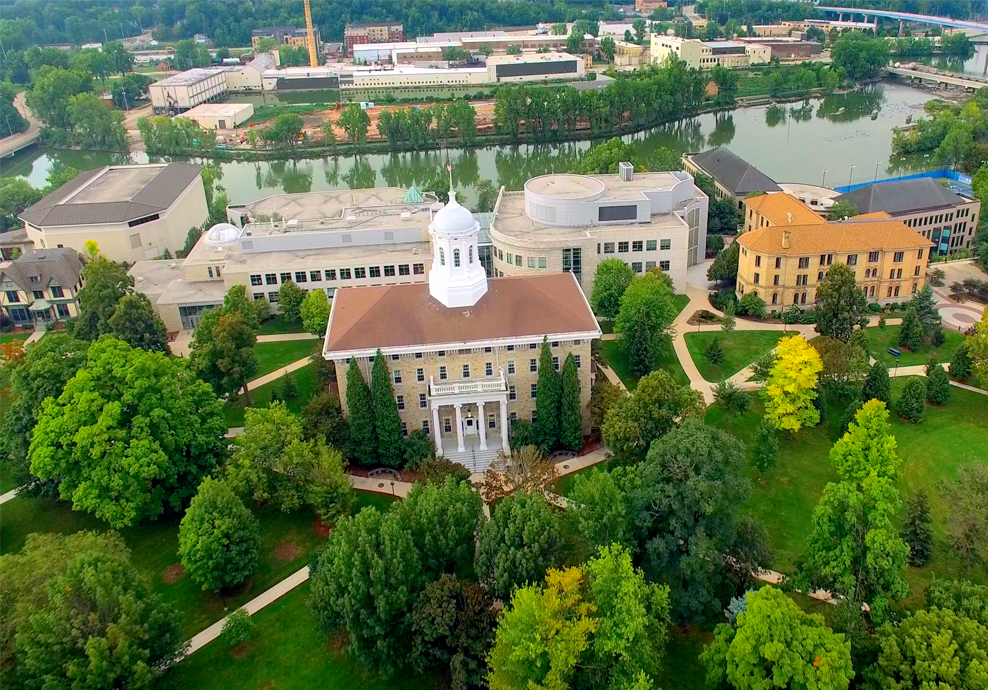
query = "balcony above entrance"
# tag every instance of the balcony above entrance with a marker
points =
(491, 384)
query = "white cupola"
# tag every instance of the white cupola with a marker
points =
(457, 278)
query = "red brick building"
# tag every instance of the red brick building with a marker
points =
(372, 32)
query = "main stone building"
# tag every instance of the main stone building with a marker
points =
(463, 349)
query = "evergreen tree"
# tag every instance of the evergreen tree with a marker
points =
(547, 399)
(727, 321)
(135, 322)
(960, 363)
(570, 418)
(387, 423)
(714, 353)
(911, 332)
(916, 530)
(912, 402)
(878, 385)
(924, 305)
(937, 383)
(842, 304)
(766, 450)
(360, 405)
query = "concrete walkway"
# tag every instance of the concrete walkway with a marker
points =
(251, 607)
(9, 496)
(277, 374)
(381, 485)
(285, 337)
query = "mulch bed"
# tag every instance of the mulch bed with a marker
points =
(321, 529)
(287, 550)
(173, 573)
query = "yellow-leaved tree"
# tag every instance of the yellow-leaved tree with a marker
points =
(791, 386)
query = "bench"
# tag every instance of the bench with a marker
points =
(894, 352)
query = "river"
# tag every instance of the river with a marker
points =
(832, 140)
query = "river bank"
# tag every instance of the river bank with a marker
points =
(829, 140)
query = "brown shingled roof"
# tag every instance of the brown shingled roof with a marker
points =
(776, 208)
(389, 316)
(845, 236)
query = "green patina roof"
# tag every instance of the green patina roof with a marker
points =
(413, 196)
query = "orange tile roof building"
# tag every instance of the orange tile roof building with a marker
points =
(786, 252)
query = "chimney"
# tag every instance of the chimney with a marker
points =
(786, 239)
(788, 219)
(626, 171)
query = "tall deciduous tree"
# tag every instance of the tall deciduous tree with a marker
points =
(547, 399)
(791, 386)
(868, 449)
(365, 582)
(842, 304)
(649, 412)
(354, 122)
(104, 284)
(131, 435)
(218, 538)
(570, 415)
(599, 502)
(290, 298)
(518, 544)
(360, 404)
(967, 519)
(612, 278)
(222, 351)
(963, 597)
(775, 644)
(387, 423)
(443, 520)
(646, 313)
(102, 622)
(135, 322)
(977, 348)
(315, 312)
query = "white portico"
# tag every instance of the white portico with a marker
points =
(474, 414)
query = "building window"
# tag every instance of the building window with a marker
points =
(649, 265)
(889, 292)
(420, 374)
(531, 262)
(488, 350)
(897, 257)
(418, 269)
(397, 376)
(422, 400)
(345, 274)
(330, 274)
(400, 400)
(517, 259)
(57, 291)
(38, 294)
(637, 246)
(664, 265)
(442, 256)
(622, 247)
(576, 360)
(665, 245)
(272, 297)
(315, 276)
(758, 261)
(819, 276)
(534, 389)
(63, 310)
(442, 373)
(403, 269)
(872, 257)
(255, 279)
(466, 371)
(778, 262)
(542, 262)
(375, 271)
(389, 271)
(852, 259)
(650, 245)
(533, 365)
(447, 425)
(441, 353)
(13, 296)
(456, 258)
(512, 395)
(555, 363)
(775, 280)
(209, 270)
(636, 266)
(804, 262)
(470, 254)
(488, 369)
(896, 291)
(258, 295)
(425, 426)
(535, 416)
(608, 247)
(511, 367)
(919, 254)
(286, 277)
(270, 279)
(359, 273)
(532, 346)
(491, 421)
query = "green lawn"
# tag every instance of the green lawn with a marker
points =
(741, 348)
(614, 356)
(11, 337)
(287, 542)
(288, 652)
(277, 325)
(272, 356)
(784, 498)
(261, 396)
(880, 340)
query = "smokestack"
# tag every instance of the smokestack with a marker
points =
(786, 239)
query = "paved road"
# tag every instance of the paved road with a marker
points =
(12, 144)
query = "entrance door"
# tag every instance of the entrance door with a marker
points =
(469, 426)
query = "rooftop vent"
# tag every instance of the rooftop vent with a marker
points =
(626, 171)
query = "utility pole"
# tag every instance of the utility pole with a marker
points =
(824, 182)
(849, 175)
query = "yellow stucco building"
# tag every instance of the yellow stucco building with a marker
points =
(787, 249)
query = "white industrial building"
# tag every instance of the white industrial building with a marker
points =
(133, 212)
(186, 90)
(220, 115)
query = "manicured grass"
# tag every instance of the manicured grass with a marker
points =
(741, 348)
(614, 356)
(680, 302)
(11, 337)
(681, 665)
(287, 542)
(880, 340)
(276, 325)
(784, 497)
(272, 356)
(288, 652)
(261, 396)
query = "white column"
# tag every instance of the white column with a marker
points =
(505, 446)
(436, 431)
(483, 426)
(459, 428)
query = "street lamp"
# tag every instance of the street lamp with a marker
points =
(894, 374)
(824, 182)
(392, 487)
(877, 163)
(849, 176)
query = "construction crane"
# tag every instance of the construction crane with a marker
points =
(311, 40)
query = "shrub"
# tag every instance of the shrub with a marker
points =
(874, 307)
(523, 434)
(735, 400)
(752, 305)
(238, 627)
(285, 390)
(720, 298)
(912, 403)
(714, 353)
(763, 365)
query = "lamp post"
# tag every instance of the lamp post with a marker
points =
(824, 182)
(894, 374)
(849, 176)
(877, 163)
(392, 487)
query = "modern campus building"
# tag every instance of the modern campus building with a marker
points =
(949, 220)
(186, 90)
(704, 55)
(787, 249)
(570, 223)
(41, 287)
(220, 115)
(432, 49)
(133, 212)
(372, 32)
(734, 177)
(286, 36)
(380, 237)
(463, 349)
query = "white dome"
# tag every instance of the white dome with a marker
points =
(222, 233)
(453, 218)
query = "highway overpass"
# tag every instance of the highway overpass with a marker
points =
(939, 78)
(907, 17)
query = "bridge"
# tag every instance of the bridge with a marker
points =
(972, 83)
(907, 17)
(14, 143)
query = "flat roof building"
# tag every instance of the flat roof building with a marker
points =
(949, 220)
(372, 32)
(133, 212)
(699, 54)
(186, 90)
(220, 115)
